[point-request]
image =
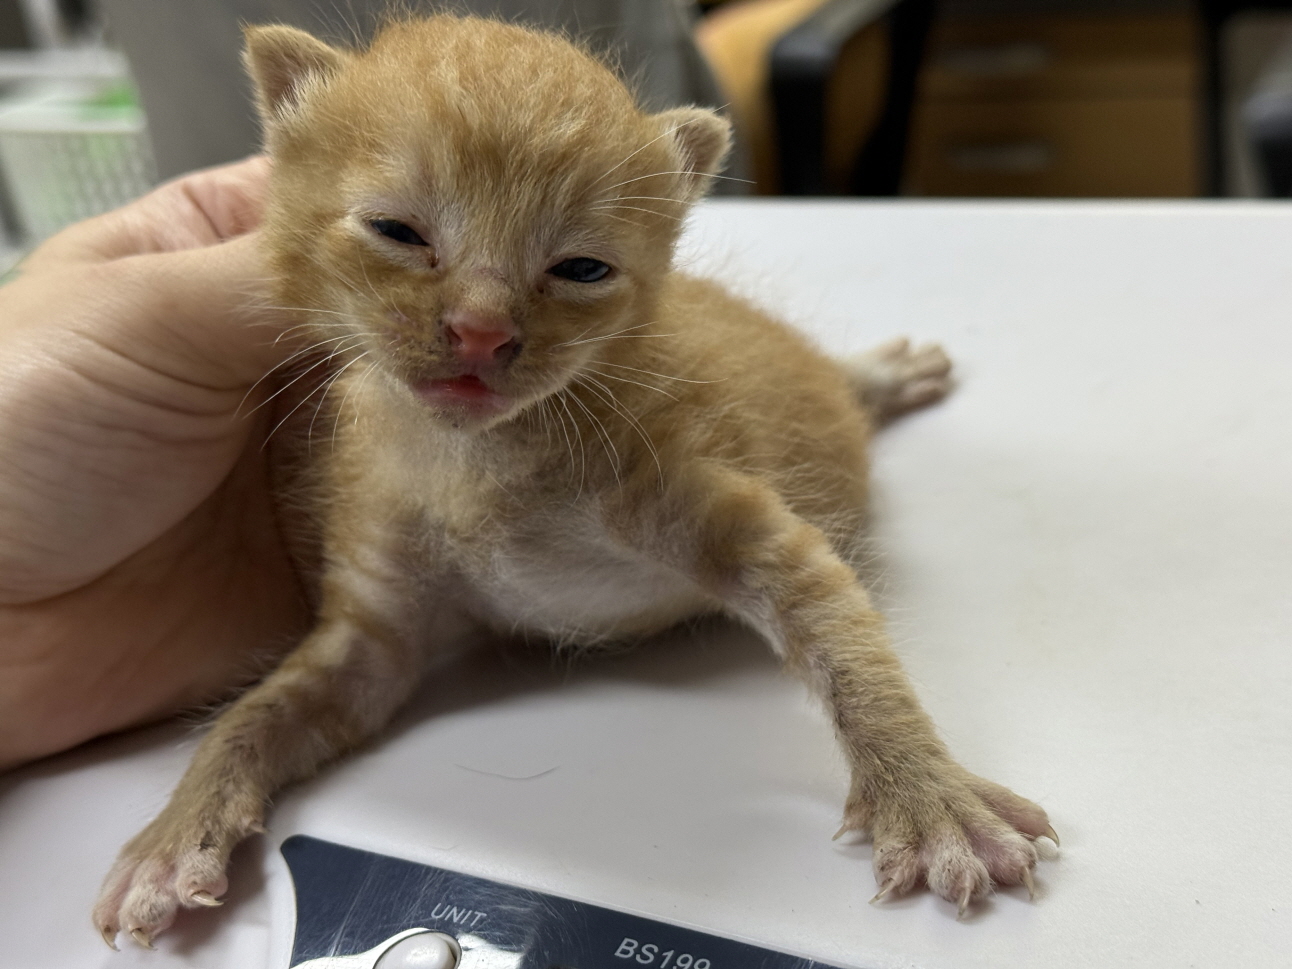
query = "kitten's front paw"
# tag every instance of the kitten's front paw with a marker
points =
(171, 864)
(961, 839)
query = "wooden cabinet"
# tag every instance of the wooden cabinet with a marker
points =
(1050, 105)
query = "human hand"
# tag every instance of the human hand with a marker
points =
(142, 569)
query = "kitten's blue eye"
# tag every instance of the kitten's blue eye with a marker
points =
(580, 269)
(392, 229)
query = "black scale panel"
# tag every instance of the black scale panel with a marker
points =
(350, 901)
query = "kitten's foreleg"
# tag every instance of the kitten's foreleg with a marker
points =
(338, 688)
(895, 377)
(932, 821)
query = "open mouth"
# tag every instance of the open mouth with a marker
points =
(467, 391)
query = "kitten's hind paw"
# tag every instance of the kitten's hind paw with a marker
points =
(894, 378)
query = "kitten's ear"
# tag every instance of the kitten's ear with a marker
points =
(282, 62)
(702, 139)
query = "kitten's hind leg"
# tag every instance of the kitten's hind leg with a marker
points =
(337, 689)
(894, 378)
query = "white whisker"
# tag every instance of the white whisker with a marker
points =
(627, 380)
(305, 309)
(319, 386)
(643, 198)
(725, 178)
(327, 389)
(611, 451)
(578, 435)
(637, 208)
(336, 420)
(579, 339)
(664, 376)
(294, 356)
(620, 336)
(633, 422)
(624, 218)
(660, 137)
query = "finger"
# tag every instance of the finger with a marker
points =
(199, 209)
(213, 307)
(203, 315)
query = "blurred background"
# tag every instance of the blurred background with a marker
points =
(952, 98)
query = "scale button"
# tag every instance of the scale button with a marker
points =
(427, 950)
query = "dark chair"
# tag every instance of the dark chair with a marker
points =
(1216, 14)
(822, 90)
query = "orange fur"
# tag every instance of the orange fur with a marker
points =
(627, 452)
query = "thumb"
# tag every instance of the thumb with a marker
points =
(207, 316)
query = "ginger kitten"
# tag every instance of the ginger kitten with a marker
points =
(544, 427)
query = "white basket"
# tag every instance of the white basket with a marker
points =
(67, 153)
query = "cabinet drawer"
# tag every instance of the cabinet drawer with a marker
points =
(1125, 146)
(1063, 56)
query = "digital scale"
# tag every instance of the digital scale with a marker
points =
(360, 910)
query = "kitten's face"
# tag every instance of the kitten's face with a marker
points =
(476, 209)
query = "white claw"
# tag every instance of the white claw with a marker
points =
(207, 899)
(109, 936)
(883, 892)
(840, 833)
(1031, 885)
(1050, 833)
(964, 903)
(141, 937)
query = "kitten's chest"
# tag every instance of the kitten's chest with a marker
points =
(522, 546)
(571, 581)
(551, 569)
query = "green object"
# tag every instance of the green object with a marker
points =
(118, 95)
(71, 150)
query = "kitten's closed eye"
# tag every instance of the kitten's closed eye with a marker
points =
(393, 229)
(580, 269)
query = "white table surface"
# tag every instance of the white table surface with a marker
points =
(1086, 554)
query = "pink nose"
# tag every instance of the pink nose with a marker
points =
(480, 338)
